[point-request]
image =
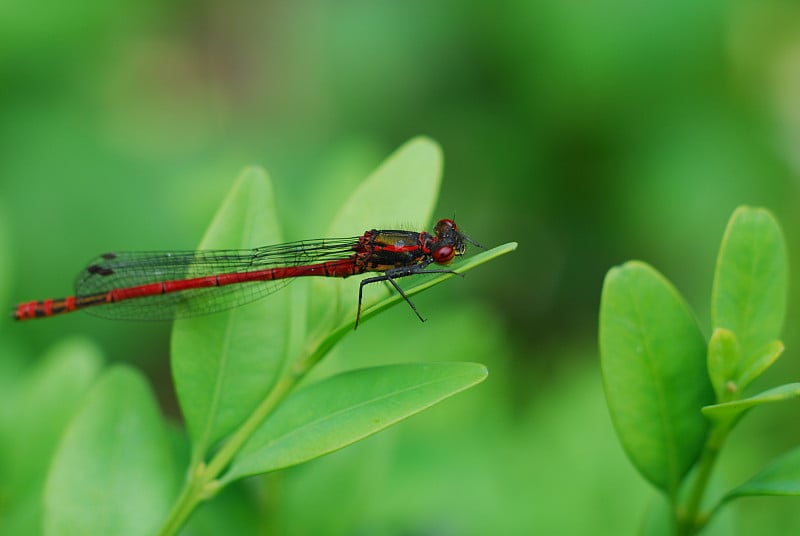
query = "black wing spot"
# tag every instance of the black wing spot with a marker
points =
(99, 270)
(109, 256)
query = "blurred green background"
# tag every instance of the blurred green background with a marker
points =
(590, 132)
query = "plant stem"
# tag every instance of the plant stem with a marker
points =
(688, 521)
(185, 504)
(202, 481)
(221, 460)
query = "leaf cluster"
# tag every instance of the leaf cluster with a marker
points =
(673, 395)
(239, 379)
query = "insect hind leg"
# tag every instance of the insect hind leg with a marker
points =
(391, 276)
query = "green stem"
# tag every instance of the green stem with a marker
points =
(221, 460)
(688, 520)
(187, 501)
(202, 482)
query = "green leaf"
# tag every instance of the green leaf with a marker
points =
(401, 193)
(653, 362)
(759, 362)
(113, 472)
(403, 190)
(41, 406)
(729, 373)
(731, 411)
(225, 364)
(781, 477)
(750, 284)
(723, 361)
(343, 409)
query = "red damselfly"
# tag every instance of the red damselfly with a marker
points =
(164, 285)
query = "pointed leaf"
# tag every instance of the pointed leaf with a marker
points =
(113, 472)
(750, 284)
(781, 477)
(723, 361)
(401, 193)
(403, 190)
(225, 364)
(653, 362)
(343, 409)
(730, 411)
(759, 362)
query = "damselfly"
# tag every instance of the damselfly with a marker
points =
(164, 285)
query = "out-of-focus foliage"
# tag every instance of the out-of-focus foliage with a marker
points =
(591, 133)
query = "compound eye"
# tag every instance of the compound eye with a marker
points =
(444, 255)
(442, 226)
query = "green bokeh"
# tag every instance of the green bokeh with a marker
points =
(591, 133)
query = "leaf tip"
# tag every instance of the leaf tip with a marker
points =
(426, 142)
